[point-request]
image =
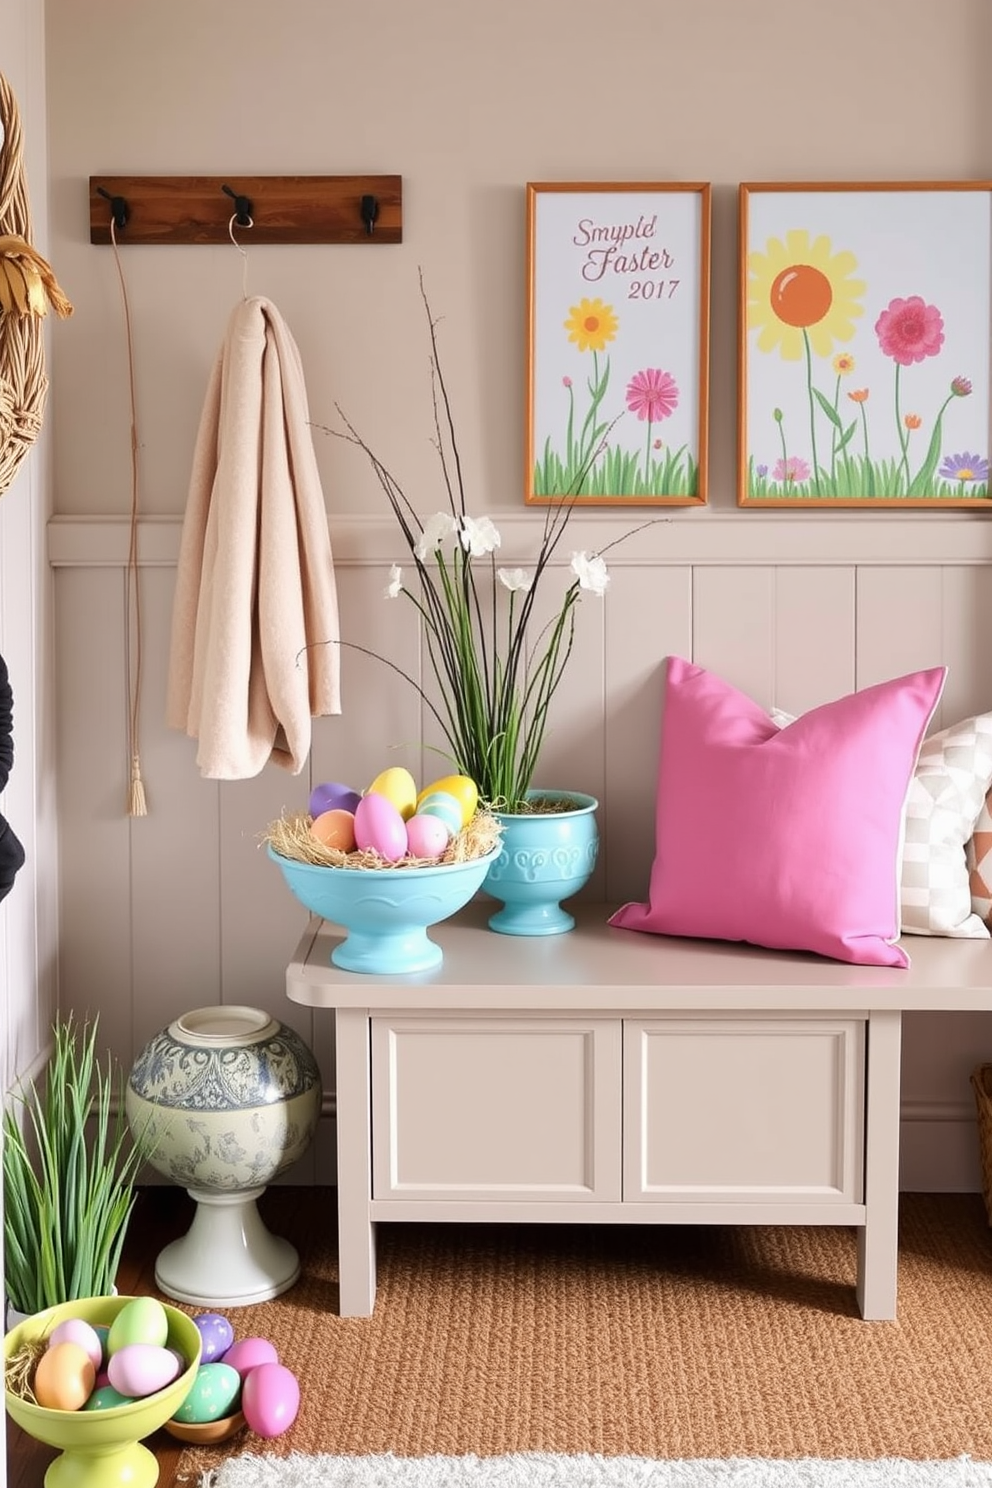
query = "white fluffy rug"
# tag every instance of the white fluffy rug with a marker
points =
(536, 1470)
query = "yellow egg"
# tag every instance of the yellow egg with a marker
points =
(64, 1377)
(399, 788)
(464, 790)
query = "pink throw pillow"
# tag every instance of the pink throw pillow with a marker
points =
(784, 837)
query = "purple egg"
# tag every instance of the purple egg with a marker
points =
(216, 1334)
(332, 796)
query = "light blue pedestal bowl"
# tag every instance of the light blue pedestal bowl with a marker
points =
(385, 911)
(545, 857)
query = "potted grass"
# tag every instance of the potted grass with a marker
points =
(498, 663)
(69, 1166)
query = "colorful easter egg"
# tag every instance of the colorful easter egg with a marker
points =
(331, 795)
(214, 1393)
(464, 790)
(142, 1368)
(445, 807)
(427, 836)
(248, 1353)
(64, 1377)
(142, 1320)
(380, 827)
(105, 1397)
(216, 1335)
(75, 1330)
(399, 787)
(335, 828)
(270, 1399)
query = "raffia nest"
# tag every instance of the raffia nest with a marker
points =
(20, 1367)
(290, 837)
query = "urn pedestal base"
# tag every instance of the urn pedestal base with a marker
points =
(227, 1258)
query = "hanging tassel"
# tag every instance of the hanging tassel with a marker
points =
(136, 805)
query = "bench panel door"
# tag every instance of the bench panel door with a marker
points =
(504, 1108)
(751, 1110)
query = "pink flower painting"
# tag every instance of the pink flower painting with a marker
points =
(910, 330)
(791, 470)
(652, 395)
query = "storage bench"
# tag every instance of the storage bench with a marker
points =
(606, 1076)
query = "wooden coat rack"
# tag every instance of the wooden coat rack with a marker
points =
(266, 209)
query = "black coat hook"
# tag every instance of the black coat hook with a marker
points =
(119, 209)
(242, 207)
(370, 211)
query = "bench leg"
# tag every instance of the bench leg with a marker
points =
(356, 1232)
(878, 1239)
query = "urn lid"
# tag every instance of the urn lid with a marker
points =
(222, 1026)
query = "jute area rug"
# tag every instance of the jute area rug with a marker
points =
(539, 1470)
(670, 1343)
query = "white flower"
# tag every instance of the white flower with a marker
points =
(590, 570)
(517, 580)
(438, 527)
(395, 584)
(479, 536)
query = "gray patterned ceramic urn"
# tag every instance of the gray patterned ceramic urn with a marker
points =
(224, 1098)
(221, 1102)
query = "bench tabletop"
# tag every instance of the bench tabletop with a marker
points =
(598, 967)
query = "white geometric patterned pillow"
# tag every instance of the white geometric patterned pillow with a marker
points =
(946, 796)
(978, 856)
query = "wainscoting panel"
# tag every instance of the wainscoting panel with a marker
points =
(182, 908)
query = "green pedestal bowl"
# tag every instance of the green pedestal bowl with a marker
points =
(102, 1448)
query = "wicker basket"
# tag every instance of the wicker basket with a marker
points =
(981, 1083)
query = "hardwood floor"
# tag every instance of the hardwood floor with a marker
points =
(161, 1214)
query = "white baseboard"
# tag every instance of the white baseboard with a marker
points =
(939, 1148)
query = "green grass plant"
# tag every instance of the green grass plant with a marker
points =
(69, 1166)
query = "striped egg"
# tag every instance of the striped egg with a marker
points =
(445, 807)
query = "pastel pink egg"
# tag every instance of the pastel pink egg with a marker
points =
(248, 1353)
(379, 826)
(75, 1330)
(142, 1368)
(427, 836)
(270, 1399)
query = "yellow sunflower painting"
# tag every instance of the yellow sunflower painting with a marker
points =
(591, 324)
(802, 300)
(799, 293)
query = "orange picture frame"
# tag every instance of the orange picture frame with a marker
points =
(618, 279)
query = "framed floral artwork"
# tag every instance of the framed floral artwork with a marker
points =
(618, 343)
(864, 344)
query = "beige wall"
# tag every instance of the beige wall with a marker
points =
(466, 102)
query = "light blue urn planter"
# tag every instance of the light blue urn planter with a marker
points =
(546, 856)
